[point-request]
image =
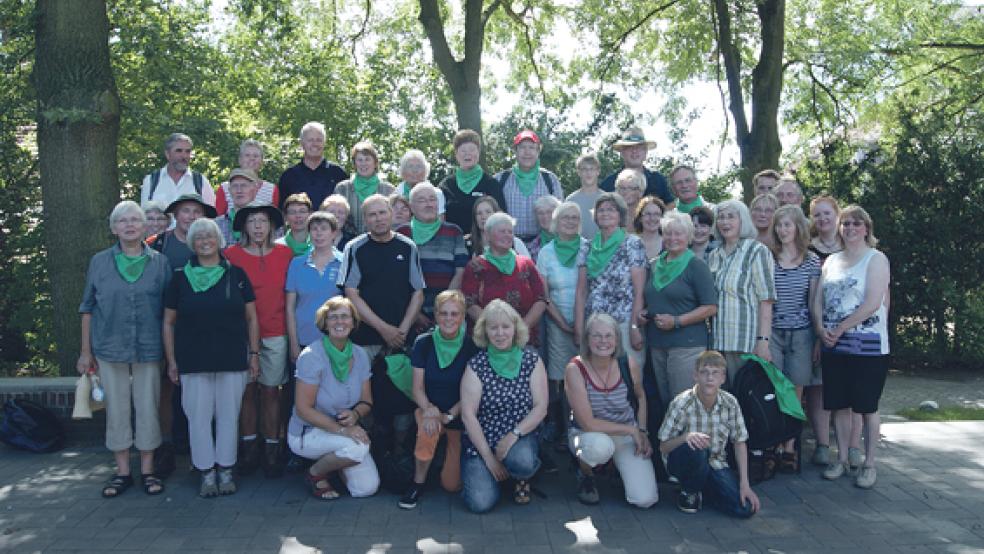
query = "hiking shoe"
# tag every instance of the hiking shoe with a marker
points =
(226, 484)
(866, 478)
(410, 498)
(854, 459)
(689, 502)
(587, 493)
(835, 471)
(209, 488)
(821, 456)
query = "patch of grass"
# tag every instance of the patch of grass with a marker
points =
(945, 413)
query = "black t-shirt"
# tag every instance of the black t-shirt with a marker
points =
(210, 333)
(386, 275)
(318, 183)
(176, 252)
(656, 185)
(458, 205)
(442, 385)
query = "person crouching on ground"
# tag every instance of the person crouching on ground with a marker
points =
(693, 437)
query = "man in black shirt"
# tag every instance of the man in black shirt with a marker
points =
(633, 147)
(314, 175)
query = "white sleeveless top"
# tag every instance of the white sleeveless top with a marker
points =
(843, 293)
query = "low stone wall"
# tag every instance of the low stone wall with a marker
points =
(58, 395)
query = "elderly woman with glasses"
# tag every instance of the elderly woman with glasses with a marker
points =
(121, 328)
(158, 219)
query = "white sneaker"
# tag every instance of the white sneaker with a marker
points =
(866, 478)
(835, 471)
(821, 456)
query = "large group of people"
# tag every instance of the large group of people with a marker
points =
(300, 325)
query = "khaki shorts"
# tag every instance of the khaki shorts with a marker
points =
(273, 361)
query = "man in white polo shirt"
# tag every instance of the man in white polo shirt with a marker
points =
(175, 179)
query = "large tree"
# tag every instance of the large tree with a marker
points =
(78, 125)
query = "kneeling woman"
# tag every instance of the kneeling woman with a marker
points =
(331, 397)
(503, 400)
(439, 358)
(605, 425)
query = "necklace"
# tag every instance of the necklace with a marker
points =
(827, 246)
(605, 387)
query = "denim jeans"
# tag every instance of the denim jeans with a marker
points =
(480, 490)
(718, 486)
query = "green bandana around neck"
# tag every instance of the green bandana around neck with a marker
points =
(406, 189)
(526, 180)
(299, 247)
(399, 371)
(447, 349)
(505, 363)
(130, 267)
(203, 278)
(685, 207)
(365, 186)
(567, 250)
(468, 179)
(666, 271)
(601, 252)
(546, 237)
(506, 263)
(232, 217)
(340, 359)
(423, 232)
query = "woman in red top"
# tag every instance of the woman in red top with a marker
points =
(265, 263)
(501, 273)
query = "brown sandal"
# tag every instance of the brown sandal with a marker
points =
(788, 462)
(521, 494)
(320, 486)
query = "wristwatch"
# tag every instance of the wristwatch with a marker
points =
(517, 432)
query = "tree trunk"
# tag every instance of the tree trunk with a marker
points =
(78, 126)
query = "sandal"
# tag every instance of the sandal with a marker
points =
(117, 485)
(788, 462)
(521, 494)
(320, 486)
(152, 484)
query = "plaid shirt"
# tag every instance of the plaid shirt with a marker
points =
(722, 423)
(743, 279)
(521, 207)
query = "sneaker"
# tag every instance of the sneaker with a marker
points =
(410, 498)
(587, 493)
(226, 484)
(854, 459)
(866, 478)
(835, 471)
(689, 502)
(821, 456)
(209, 488)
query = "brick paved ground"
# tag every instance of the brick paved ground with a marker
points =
(929, 498)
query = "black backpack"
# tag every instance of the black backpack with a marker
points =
(30, 426)
(767, 425)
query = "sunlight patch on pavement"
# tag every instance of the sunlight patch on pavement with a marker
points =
(584, 531)
(290, 545)
(431, 546)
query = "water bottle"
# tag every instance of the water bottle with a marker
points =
(98, 394)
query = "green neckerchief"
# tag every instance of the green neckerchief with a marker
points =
(785, 389)
(365, 186)
(601, 252)
(423, 232)
(546, 237)
(203, 278)
(406, 189)
(299, 248)
(447, 349)
(130, 267)
(567, 250)
(664, 272)
(505, 363)
(468, 179)
(686, 207)
(340, 359)
(232, 217)
(506, 263)
(399, 371)
(526, 180)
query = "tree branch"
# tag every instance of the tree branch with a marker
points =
(721, 94)
(732, 69)
(618, 42)
(518, 18)
(430, 19)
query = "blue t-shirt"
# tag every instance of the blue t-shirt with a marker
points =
(314, 368)
(313, 288)
(442, 385)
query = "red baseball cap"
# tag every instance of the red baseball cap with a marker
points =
(526, 134)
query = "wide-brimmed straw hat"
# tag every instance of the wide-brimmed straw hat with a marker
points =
(631, 137)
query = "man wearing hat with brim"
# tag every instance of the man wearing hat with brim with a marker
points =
(525, 182)
(185, 209)
(265, 264)
(243, 187)
(633, 147)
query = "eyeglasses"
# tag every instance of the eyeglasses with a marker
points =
(852, 223)
(240, 185)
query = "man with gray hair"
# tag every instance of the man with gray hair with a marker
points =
(788, 191)
(313, 175)
(175, 179)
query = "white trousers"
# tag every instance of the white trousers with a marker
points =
(213, 396)
(637, 473)
(362, 479)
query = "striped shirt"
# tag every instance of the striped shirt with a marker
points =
(722, 423)
(440, 257)
(743, 279)
(520, 206)
(354, 223)
(792, 308)
(610, 404)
